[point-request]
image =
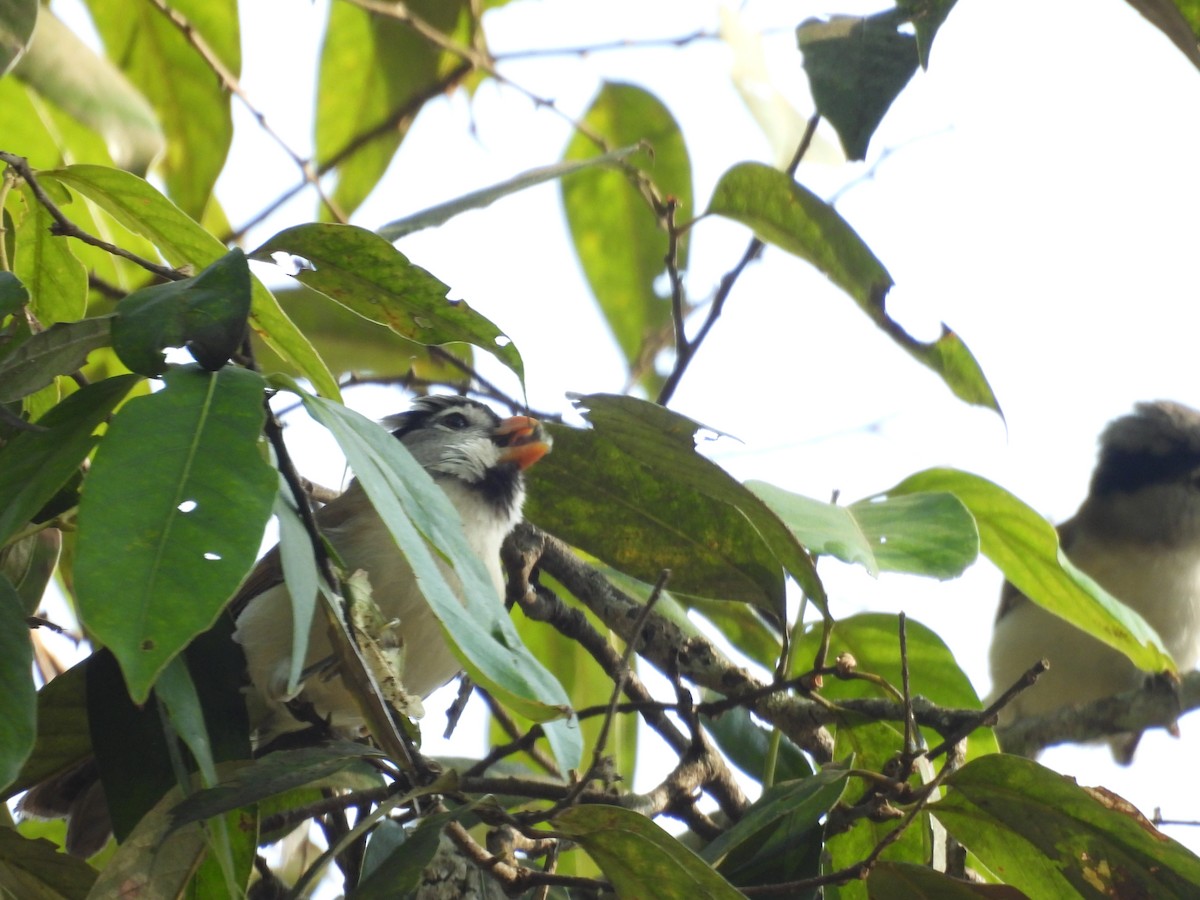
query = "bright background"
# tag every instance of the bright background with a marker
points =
(1036, 190)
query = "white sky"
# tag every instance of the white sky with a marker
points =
(1040, 198)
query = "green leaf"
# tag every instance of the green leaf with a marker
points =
(193, 104)
(150, 863)
(130, 742)
(59, 350)
(926, 17)
(177, 693)
(89, 87)
(849, 848)
(785, 214)
(743, 627)
(639, 858)
(172, 513)
(206, 313)
(783, 814)
(277, 773)
(484, 197)
(18, 699)
(581, 677)
(366, 274)
(55, 279)
(36, 869)
(856, 67)
(663, 442)
(375, 75)
(1179, 20)
(29, 565)
(911, 881)
(923, 534)
(747, 745)
(63, 739)
(423, 522)
(135, 204)
(1025, 547)
(345, 340)
(633, 511)
(401, 871)
(128, 745)
(873, 640)
(301, 577)
(1049, 837)
(17, 20)
(12, 294)
(618, 236)
(35, 464)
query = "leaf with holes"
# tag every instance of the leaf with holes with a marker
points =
(366, 274)
(791, 217)
(171, 516)
(206, 313)
(138, 206)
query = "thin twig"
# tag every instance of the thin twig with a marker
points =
(627, 662)
(230, 82)
(859, 870)
(910, 725)
(678, 301)
(623, 44)
(753, 250)
(64, 227)
(619, 682)
(506, 723)
(988, 715)
(466, 687)
(514, 879)
(406, 110)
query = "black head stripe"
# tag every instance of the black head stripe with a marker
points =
(1158, 444)
(426, 408)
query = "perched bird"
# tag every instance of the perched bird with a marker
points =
(478, 459)
(1138, 535)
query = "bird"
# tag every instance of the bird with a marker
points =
(1137, 534)
(478, 459)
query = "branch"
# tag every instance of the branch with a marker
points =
(407, 110)
(665, 646)
(685, 349)
(622, 44)
(695, 658)
(64, 227)
(230, 83)
(542, 605)
(1157, 706)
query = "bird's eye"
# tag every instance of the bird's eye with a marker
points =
(456, 421)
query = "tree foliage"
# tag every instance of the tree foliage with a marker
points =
(140, 462)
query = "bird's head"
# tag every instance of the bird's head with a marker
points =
(1146, 486)
(456, 437)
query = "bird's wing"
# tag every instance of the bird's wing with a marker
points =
(269, 571)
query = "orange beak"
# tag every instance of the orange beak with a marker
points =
(524, 438)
